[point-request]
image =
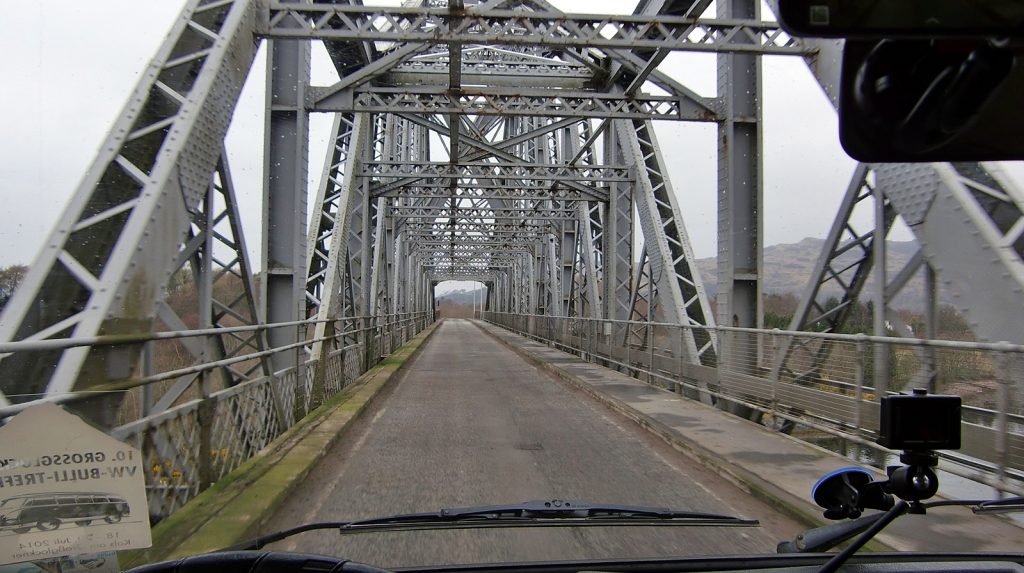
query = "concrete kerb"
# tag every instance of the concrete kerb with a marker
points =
(233, 509)
(764, 490)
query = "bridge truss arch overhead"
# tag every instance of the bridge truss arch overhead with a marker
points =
(505, 142)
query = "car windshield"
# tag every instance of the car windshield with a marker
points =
(329, 261)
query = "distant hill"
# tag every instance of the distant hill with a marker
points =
(458, 303)
(787, 268)
(460, 297)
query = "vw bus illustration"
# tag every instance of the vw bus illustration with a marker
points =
(47, 511)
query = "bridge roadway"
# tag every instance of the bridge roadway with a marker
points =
(473, 423)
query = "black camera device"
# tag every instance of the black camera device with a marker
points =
(919, 422)
(916, 423)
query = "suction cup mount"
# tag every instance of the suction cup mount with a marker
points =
(845, 493)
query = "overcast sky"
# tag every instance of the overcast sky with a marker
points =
(69, 66)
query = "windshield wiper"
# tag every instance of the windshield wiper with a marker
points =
(826, 537)
(544, 513)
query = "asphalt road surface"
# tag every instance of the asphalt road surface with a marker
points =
(472, 423)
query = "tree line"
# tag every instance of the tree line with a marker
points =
(780, 308)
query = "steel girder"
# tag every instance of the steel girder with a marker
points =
(428, 246)
(469, 261)
(441, 276)
(145, 206)
(364, 238)
(525, 28)
(115, 246)
(643, 301)
(401, 140)
(512, 142)
(436, 228)
(968, 219)
(328, 215)
(469, 213)
(682, 299)
(330, 293)
(495, 191)
(848, 262)
(588, 269)
(497, 171)
(215, 259)
(565, 75)
(522, 201)
(431, 242)
(512, 101)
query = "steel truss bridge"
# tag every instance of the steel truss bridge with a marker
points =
(505, 142)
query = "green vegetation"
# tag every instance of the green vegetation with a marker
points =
(780, 308)
(970, 373)
(10, 278)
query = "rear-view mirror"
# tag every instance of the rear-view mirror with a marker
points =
(923, 80)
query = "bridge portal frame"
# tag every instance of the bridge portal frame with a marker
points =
(543, 172)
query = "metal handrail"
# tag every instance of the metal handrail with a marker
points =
(114, 340)
(117, 339)
(591, 338)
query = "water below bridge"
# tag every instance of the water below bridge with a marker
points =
(473, 423)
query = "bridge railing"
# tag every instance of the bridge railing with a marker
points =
(821, 387)
(213, 427)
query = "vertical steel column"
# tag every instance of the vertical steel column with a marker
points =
(881, 366)
(416, 292)
(552, 290)
(384, 232)
(398, 271)
(534, 268)
(542, 152)
(284, 192)
(590, 251)
(537, 298)
(407, 277)
(362, 278)
(618, 238)
(379, 268)
(516, 286)
(501, 296)
(740, 188)
(931, 325)
(397, 258)
(525, 284)
(568, 248)
(388, 261)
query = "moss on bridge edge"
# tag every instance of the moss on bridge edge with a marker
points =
(233, 509)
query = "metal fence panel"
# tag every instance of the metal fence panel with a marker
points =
(825, 382)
